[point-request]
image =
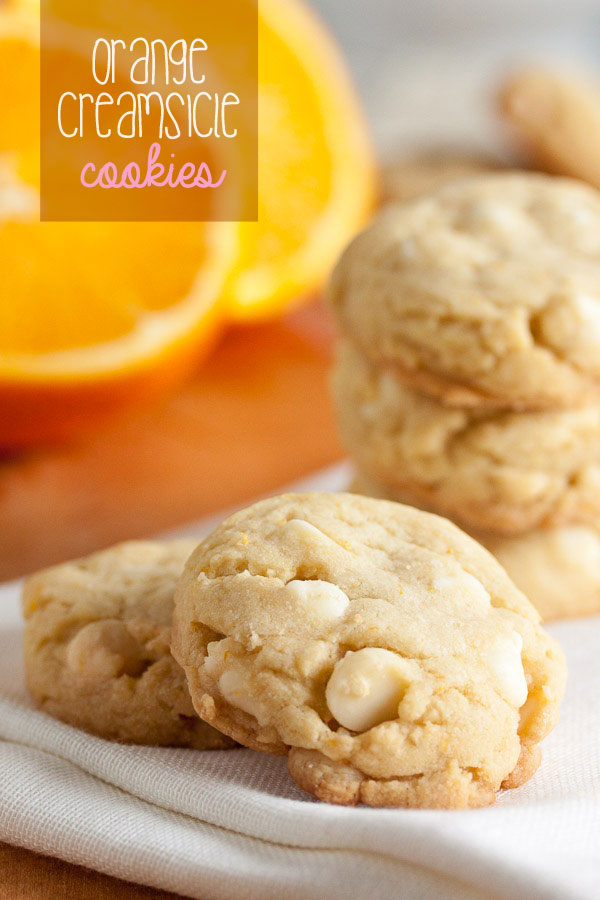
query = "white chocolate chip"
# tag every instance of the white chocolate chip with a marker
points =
(571, 325)
(215, 658)
(408, 249)
(464, 587)
(370, 411)
(234, 688)
(587, 310)
(505, 662)
(104, 650)
(319, 598)
(305, 530)
(366, 687)
(388, 389)
(499, 217)
(549, 694)
(581, 543)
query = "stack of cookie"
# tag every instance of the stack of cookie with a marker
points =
(468, 371)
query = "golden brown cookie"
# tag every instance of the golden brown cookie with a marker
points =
(381, 647)
(497, 470)
(556, 118)
(485, 292)
(97, 646)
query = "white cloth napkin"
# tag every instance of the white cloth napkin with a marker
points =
(233, 826)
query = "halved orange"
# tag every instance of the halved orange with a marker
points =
(96, 316)
(316, 171)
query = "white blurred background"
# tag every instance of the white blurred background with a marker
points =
(429, 69)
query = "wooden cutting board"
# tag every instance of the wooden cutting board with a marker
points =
(257, 415)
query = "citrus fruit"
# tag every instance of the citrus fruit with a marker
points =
(315, 170)
(96, 316)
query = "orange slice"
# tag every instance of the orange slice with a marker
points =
(96, 316)
(20, 80)
(316, 173)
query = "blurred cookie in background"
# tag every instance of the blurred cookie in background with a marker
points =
(405, 176)
(556, 121)
(558, 569)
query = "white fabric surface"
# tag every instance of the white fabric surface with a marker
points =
(232, 824)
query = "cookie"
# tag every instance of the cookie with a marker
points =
(406, 177)
(368, 486)
(491, 469)
(380, 647)
(485, 292)
(556, 118)
(97, 646)
(558, 569)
